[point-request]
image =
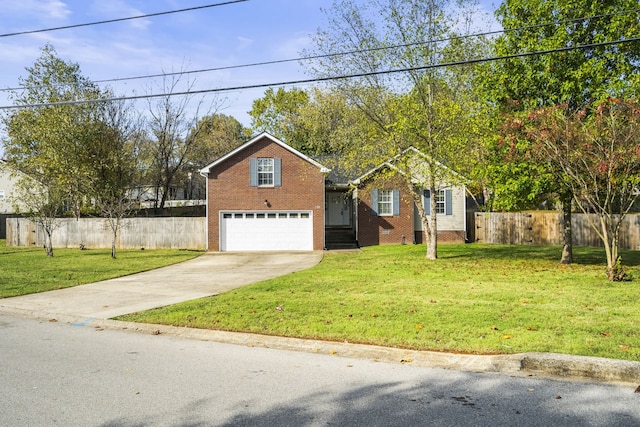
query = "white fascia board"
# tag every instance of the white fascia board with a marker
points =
(205, 171)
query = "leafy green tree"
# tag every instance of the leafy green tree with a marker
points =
(75, 156)
(50, 144)
(578, 78)
(421, 107)
(328, 124)
(217, 134)
(599, 156)
(276, 113)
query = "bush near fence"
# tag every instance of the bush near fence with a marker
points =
(545, 228)
(136, 233)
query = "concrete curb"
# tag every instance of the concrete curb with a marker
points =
(548, 365)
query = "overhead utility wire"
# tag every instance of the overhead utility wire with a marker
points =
(324, 79)
(148, 15)
(328, 55)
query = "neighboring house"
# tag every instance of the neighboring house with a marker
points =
(8, 182)
(189, 191)
(265, 195)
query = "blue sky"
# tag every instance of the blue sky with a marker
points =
(241, 33)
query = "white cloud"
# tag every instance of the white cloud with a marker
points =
(244, 42)
(55, 9)
(292, 47)
(114, 9)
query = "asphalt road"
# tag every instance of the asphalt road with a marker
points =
(55, 373)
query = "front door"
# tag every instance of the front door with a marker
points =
(338, 209)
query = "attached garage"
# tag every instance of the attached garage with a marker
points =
(266, 231)
(265, 196)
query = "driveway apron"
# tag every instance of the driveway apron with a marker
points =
(207, 275)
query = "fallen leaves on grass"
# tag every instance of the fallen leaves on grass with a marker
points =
(507, 336)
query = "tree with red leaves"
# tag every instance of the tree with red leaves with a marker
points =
(598, 154)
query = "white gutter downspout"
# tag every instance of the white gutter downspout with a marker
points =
(325, 172)
(206, 209)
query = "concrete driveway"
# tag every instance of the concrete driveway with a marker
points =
(209, 274)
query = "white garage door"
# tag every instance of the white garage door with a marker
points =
(266, 231)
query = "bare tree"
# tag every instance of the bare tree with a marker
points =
(40, 202)
(115, 144)
(174, 129)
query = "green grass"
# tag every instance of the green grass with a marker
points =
(29, 270)
(473, 299)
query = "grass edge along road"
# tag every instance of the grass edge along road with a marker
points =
(29, 270)
(483, 299)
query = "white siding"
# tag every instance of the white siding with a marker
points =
(455, 221)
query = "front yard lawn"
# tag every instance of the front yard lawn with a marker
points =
(475, 298)
(28, 270)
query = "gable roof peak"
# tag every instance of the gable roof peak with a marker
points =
(205, 171)
(412, 151)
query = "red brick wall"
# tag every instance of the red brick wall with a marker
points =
(444, 236)
(384, 230)
(302, 189)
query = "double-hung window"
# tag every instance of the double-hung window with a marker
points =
(441, 202)
(385, 202)
(444, 201)
(265, 172)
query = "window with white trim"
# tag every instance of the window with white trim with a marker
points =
(1, 194)
(265, 172)
(441, 202)
(385, 202)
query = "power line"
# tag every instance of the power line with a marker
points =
(356, 51)
(109, 21)
(325, 79)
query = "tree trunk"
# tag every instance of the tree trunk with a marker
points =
(611, 233)
(114, 223)
(567, 231)
(113, 244)
(430, 236)
(432, 243)
(48, 243)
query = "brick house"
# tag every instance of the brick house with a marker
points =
(387, 214)
(265, 195)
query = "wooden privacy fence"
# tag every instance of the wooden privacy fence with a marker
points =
(136, 233)
(545, 228)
